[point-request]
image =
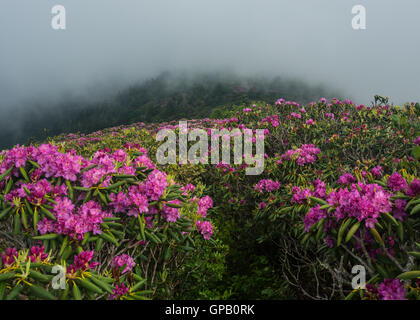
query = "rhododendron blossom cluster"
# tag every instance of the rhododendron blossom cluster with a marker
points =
(82, 262)
(75, 219)
(88, 218)
(125, 261)
(389, 289)
(267, 185)
(365, 202)
(205, 228)
(305, 154)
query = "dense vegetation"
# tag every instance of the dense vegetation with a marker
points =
(340, 188)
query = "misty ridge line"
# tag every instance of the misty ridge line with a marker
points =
(138, 41)
(31, 82)
(167, 97)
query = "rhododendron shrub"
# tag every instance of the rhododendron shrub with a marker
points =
(370, 223)
(334, 162)
(340, 188)
(113, 222)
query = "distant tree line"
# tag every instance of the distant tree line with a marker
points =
(163, 98)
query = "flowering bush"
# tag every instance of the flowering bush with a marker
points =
(368, 221)
(81, 208)
(340, 188)
(339, 182)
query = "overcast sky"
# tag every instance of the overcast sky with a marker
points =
(113, 42)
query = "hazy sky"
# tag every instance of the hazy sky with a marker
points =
(113, 42)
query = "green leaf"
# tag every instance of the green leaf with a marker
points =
(152, 237)
(99, 244)
(416, 152)
(42, 293)
(377, 236)
(24, 219)
(391, 218)
(16, 221)
(23, 173)
(138, 285)
(6, 173)
(101, 284)
(14, 293)
(64, 245)
(411, 202)
(81, 188)
(40, 277)
(173, 205)
(409, 275)
(66, 253)
(115, 185)
(85, 283)
(381, 183)
(2, 290)
(48, 213)
(88, 168)
(341, 231)
(76, 292)
(108, 237)
(109, 219)
(65, 293)
(103, 198)
(415, 210)
(48, 236)
(318, 200)
(352, 231)
(351, 294)
(5, 212)
(7, 276)
(35, 221)
(9, 186)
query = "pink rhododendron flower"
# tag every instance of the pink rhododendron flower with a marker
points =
(37, 254)
(396, 182)
(9, 257)
(300, 195)
(82, 262)
(314, 215)
(377, 171)
(364, 205)
(391, 290)
(346, 179)
(205, 228)
(170, 214)
(267, 185)
(204, 204)
(399, 209)
(124, 260)
(303, 155)
(118, 291)
(414, 188)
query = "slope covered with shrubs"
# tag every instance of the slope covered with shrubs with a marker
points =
(340, 189)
